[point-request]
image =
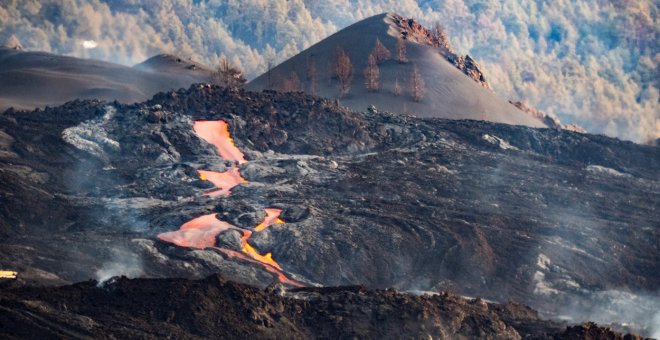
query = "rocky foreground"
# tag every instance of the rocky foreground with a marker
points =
(217, 308)
(564, 222)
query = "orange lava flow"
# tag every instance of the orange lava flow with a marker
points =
(216, 132)
(224, 181)
(202, 232)
(272, 217)
(250, 251)
(198, 233)
(280, 275)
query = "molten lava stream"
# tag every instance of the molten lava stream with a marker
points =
(224, 181)
(280, 274)
(272, 217)
(202, 231)
(249, 249)
(216, 132)
(199, 233)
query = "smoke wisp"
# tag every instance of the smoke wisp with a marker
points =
(121, 262)
(624, 310)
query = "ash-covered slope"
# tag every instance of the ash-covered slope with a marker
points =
(454, 89)
(174, 65)
(550, 218)
(38, 79)
(216, 308)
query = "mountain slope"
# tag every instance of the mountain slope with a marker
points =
(449, 92)
(37, 79)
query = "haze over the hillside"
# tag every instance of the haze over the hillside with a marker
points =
(592, 62)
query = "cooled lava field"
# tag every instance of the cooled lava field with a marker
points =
(299, 190)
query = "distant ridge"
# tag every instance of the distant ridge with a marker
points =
(37, 79)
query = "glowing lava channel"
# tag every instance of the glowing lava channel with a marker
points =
(216, 132)
(202, 232)
(199, 233)
(250, 251)
(272, 217)
(224, 181)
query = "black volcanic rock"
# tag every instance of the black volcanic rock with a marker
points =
(216, 308)
(539, 216)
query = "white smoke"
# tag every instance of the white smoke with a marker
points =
(638, 313)
(590, 62)
(121, 262)
(655, 330)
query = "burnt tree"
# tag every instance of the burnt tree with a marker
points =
(439, 37)
(343, 71)
(291, 83)
(417, 86)
(372, 74)
(401, 51)
(380, 52)
(312, 75)
(397, 87)
(228, 75)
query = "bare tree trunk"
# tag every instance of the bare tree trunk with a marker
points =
(291, 83)
(439, 37)
(397, 88)
(312, 76)
(381, 52)
(270, 74)
(228, 75)
(417, 85)
(372, 74)
(401, 51)
(343, 71)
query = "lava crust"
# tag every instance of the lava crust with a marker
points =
(543, 217)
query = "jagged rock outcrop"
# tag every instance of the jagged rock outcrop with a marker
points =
(412, 30)
(551, 121)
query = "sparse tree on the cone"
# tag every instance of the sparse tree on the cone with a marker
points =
(397, 88)
(380, 52)
(331, 73)
(228, 75)
(372, 74)
(269, 73)
(401, 51)
(417, 85)
(439, 37)
(343, 71)
(312, 76)
(291, 83)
